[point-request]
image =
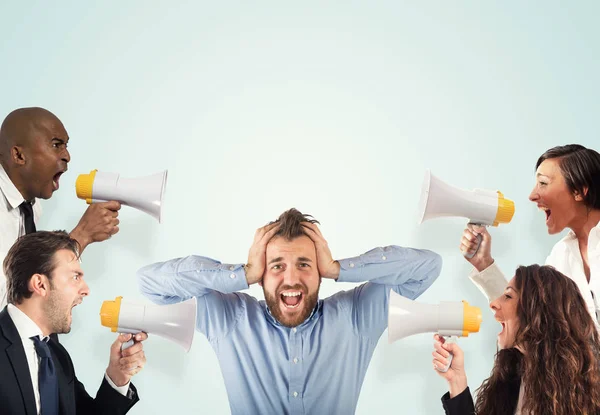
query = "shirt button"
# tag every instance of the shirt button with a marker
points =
(295, 394)
(232, 276)
(294, 329)
(295, 360)
(383, 257)
(231, 268)
(352, 265)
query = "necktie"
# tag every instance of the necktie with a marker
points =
(27, 211)
(47, 379)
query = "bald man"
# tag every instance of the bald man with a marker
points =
(33, 157)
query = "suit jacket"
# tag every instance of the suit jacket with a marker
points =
(461, 404)
(16, 389)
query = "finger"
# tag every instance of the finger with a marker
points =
(440, 358)
(313, 227)
(140, 337)
(267, 236)
(439, 351)
(260, 232)
(115, 230)
(310, 233)
(113, 213)
(110, 205)
(130, 351)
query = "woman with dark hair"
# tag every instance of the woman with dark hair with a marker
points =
(567, 190)
(549, 362)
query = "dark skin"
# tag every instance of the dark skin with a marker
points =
(34, 154)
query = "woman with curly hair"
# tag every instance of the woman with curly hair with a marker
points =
(549, 358)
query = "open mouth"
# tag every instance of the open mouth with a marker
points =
(291, 299)
(55, 180)
(547, 211)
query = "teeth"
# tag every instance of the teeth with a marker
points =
(292, 294)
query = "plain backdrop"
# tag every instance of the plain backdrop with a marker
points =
(336, 108)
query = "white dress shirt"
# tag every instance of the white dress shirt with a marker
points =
(27, 329)
(12, 223)
(566, 258)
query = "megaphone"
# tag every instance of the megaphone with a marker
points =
(481, 207)
(143, 193)
(175, 322)
(407, 317)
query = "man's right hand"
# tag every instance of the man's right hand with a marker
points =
(255, 267)
(468, 243)
(98, 223)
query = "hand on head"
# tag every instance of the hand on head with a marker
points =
(328, 267)
(255, 267)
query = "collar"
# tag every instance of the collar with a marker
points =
(305, 323)
(25, 325)
(11, 193)
(594, 231)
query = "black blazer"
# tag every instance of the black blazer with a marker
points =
(16, 389)
(461, 404)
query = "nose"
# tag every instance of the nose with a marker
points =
(291, 276)
(85, 290)
(495, 305)
(66, 157)
(534, 196)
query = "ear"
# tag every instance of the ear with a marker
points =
(39, 285)
(578, 197)
(17, 155)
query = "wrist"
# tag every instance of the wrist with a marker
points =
(484, 264)
(80, 238)
(117, 379)
(457, 385)
(333, 271)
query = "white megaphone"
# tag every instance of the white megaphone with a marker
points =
(407, 317)
(143, 193)
(481, 207)
(175, 322)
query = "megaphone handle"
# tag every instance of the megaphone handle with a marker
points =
(479, 239)
(448, 340)
(129, 343)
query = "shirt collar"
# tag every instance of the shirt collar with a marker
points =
(25, 325)
(11, 193)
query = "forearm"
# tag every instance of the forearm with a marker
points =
(194, 276)
(393, 266)
(491, 281)
(457, 385)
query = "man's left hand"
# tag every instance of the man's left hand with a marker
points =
(98, 223)
(328, 268)
(124, 364)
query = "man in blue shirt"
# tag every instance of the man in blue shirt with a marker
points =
(293, 353)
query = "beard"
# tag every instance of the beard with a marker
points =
(57, 314)
(308, 304)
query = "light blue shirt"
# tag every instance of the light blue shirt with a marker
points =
(317, 367)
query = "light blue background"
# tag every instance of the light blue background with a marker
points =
(336, 108)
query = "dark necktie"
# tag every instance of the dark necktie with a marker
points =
(27, 211)
(47, 379)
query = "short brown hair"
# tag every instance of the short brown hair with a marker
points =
(580, 167)
(33, 254)
(290, 224)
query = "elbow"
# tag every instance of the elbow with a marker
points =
(436, 263)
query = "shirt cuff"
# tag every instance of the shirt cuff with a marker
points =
(235, 278)
(490, 281)
(121, 389)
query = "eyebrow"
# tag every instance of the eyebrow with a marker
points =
(279, 258)
(62, 140)
(304, 259)
(542, 174)
(510, 288)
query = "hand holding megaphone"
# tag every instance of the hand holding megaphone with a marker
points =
(407, 317)
(482, 207)
(175, 322)
(447, 354)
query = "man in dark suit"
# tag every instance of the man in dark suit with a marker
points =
(44, 283)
